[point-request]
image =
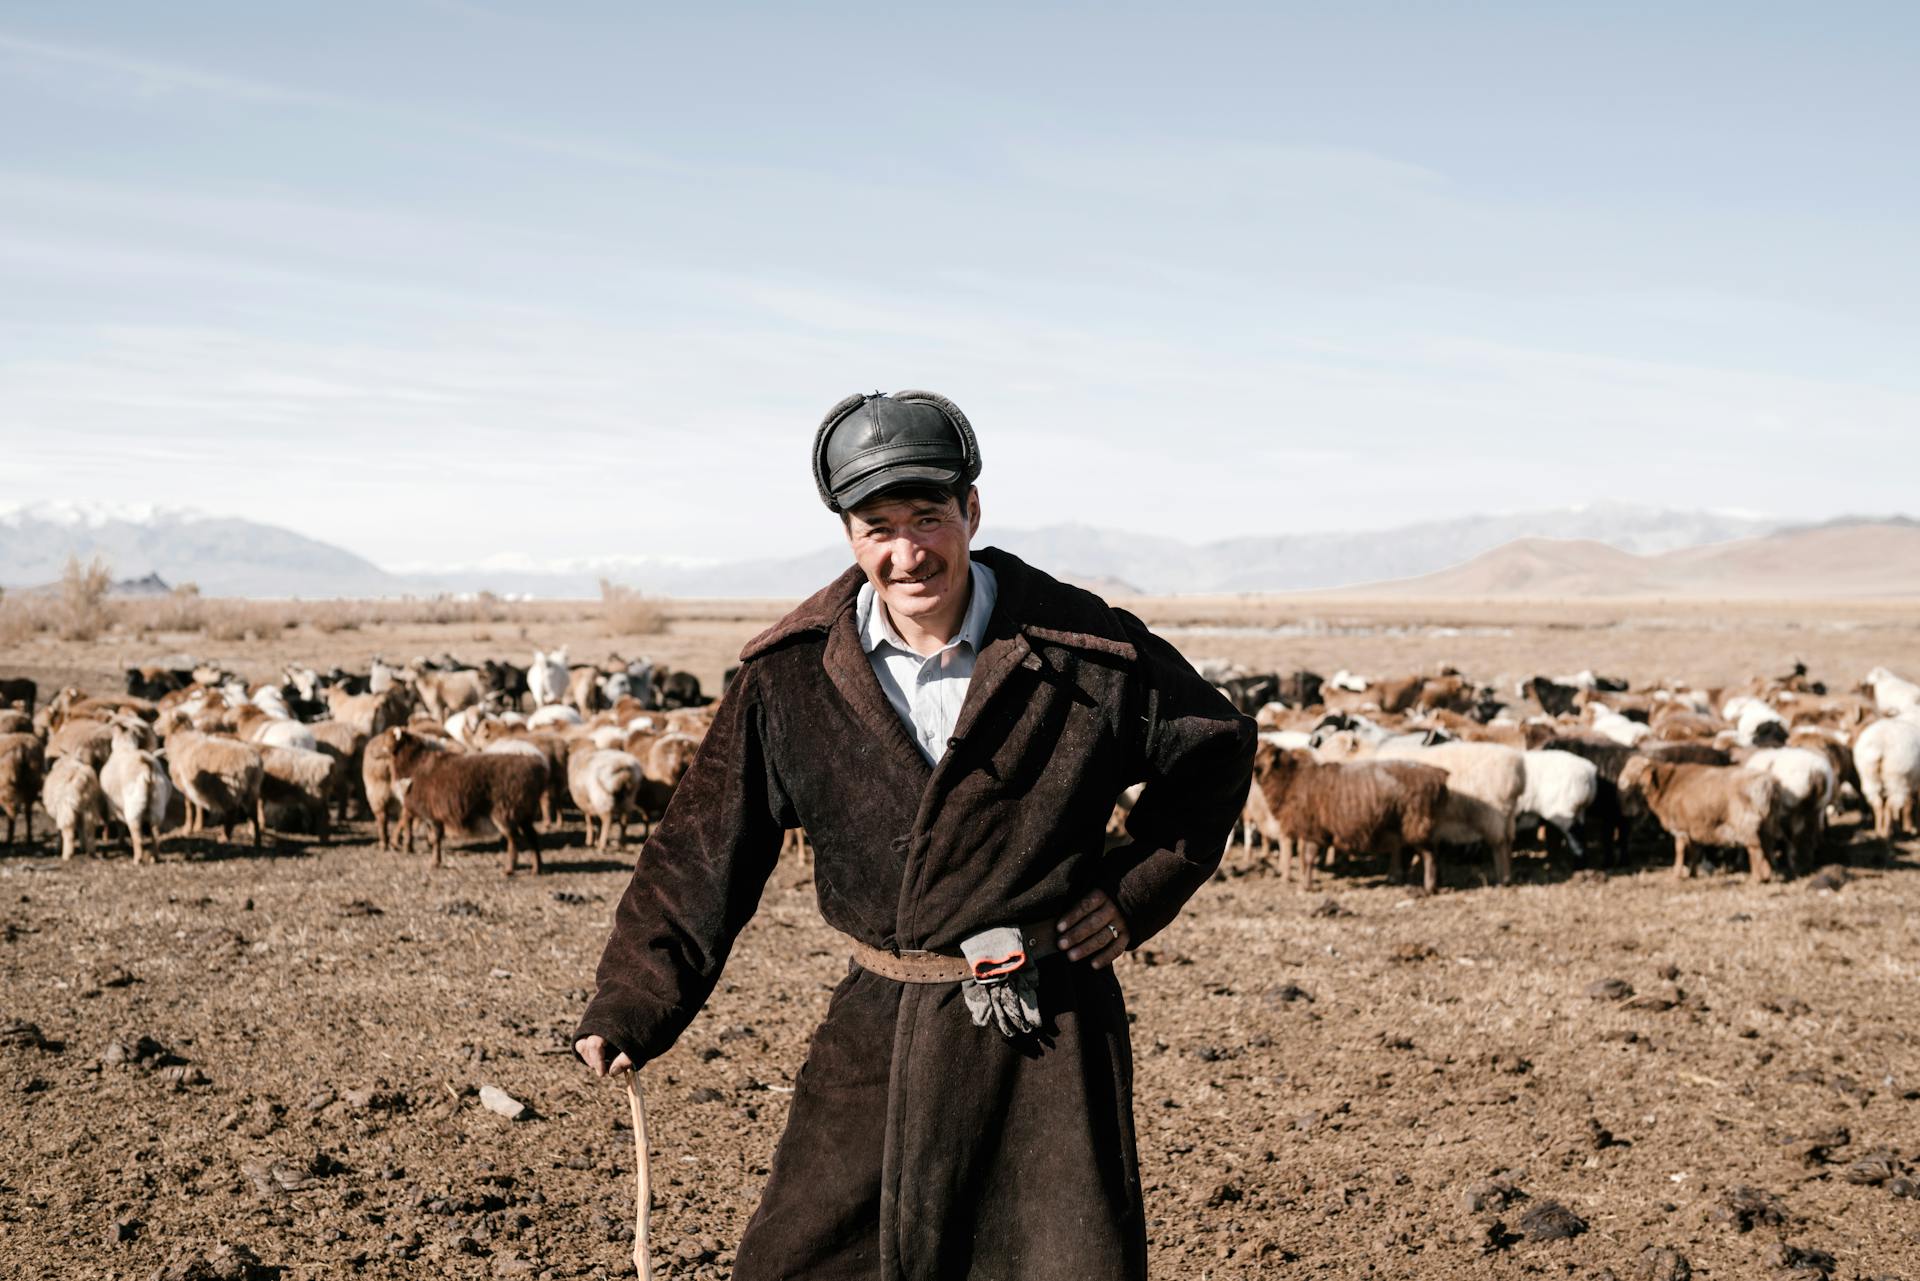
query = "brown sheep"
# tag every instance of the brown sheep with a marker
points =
(382, 787)
(89, 740)
(1375, 807)
(1717, 805)
(22, 763)
(348, 746)
(449, 790)
(218, 776)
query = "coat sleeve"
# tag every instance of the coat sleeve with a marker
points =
(1195, 754)
(698, 880)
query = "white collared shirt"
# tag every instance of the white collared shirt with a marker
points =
(927, 691)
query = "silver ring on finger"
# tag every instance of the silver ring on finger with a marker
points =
(1113, 930)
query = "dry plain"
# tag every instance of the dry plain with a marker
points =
(1360, 1082)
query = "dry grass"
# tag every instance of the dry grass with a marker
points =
(628, 613)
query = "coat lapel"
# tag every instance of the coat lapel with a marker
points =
(851, 672)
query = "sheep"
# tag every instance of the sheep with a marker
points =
(1484, 785)
(553, 752)
(444, 789)
(1611, 724)
(1758, 725)
(1559, 789)
(15, 720)
(293, 778)
(279, 733)
(19, 689)
(1886, 756)
(367, 713)
(462, 725)
(547, 677)
(348, 746)
(442, 693)
(90, 740)
(22, 763)
(383, 788)
(218, 776)
(136, 789)
(1807, 779)
(1388, 807)
(1892, 694)
(583, 691)
(554, 714)
(1718, 805)
(73, 799)
(603, 785)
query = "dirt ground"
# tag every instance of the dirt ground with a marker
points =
(241, 1061)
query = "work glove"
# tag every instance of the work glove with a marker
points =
(1005, 987)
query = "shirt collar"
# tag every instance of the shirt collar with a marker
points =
(877, 629)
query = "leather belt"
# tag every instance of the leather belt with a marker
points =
(916, 966)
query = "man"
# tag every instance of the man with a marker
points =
(951, 728)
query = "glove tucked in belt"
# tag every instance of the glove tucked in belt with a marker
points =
(1005, 984)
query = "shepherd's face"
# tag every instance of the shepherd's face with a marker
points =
(914, 551)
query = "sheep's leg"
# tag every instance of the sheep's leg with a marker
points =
(29, 826)
(1429, 870)
(1503, 862)
(439, 838)
(259, 819)
(380, 826)
(324, 821)
(1573, 843)
(66, 844)
(533, 846)
(1759, 866)
(1309, 858)
(1682, 856)
(506, 826)
(9, 828)
(1397, 866)
(133, 838)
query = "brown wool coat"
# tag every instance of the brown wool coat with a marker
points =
(920, 1147)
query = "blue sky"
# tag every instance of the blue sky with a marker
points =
(457, 280)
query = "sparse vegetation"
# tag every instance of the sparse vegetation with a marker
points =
(84, 613)
(628, 612)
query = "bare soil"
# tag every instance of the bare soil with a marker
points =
(242, 1061)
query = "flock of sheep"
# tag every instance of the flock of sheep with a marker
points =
(437, 742)
(1397, 768)
(1402, 767)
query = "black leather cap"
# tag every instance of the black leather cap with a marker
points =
(870, 442)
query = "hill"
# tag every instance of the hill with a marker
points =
(1839, 560)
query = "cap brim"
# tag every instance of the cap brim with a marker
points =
(886, 478)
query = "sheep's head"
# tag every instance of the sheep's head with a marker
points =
(1634, 777)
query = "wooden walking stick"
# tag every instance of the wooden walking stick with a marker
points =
(643, 1189)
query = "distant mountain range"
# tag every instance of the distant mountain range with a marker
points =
(225, 556)
(1846, 558)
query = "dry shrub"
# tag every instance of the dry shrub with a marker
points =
(180, 610)
(83, 609)
(628, 613)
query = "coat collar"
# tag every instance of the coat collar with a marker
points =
(1030, 601)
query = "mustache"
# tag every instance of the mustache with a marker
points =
(926, 570)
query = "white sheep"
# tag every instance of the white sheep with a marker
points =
(603, 785)
(1886, 756)
(1559, 788)
(1613, 725)
(136, 788)
(1484, 785)
(547, 677)
(1806, 776)
(75, 803)
(1893, 694)
(554, 714)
